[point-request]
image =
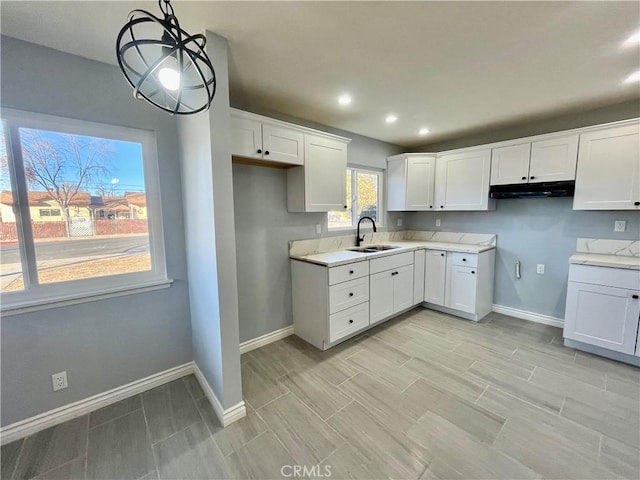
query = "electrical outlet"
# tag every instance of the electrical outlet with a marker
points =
(620, 226)
(318, 229)
(59, 381)
(540, 269)
(399, 222)
(437, 222)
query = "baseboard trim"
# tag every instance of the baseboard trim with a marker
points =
(265, 339)
(42, 421)
(226, 417)
(531, 316)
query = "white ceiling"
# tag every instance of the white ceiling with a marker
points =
(454, 67)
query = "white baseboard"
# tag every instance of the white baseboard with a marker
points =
(265, 339)
(531, 316)
(73, 410)
(226, 417)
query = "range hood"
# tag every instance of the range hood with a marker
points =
(533, 190)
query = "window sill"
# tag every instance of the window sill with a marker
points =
(35, 305)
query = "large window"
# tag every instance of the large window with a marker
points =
(364, 199)
(80, 210)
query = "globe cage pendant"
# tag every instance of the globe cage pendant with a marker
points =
(165, 65)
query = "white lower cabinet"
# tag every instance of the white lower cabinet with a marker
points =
(603, 307)
(461, 289)
(348, 321)
(418, 276)
(435, 276)
(391, 290)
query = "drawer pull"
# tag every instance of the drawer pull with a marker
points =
(350, 272)
(266, 152)
(350, 321)
(532, 178)
(636, 203)
(634, 296)
(464, 259)
(473, 271)
(442, 254)
(351, 294)
(524, 178)
(259, 150)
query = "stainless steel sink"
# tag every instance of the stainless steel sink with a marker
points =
(373, 248)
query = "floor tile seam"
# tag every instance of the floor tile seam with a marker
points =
(15, 467)
(188, 390)
(153, 444)
(60, 466)
(274, 399)
(112, 419)
(481, 394)
(338, 411)
(313, 412)
(148, 430)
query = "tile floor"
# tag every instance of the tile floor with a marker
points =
(426, 395)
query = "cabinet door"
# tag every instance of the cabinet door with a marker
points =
(607, 177)
(462, 181)
(435, 276)
(325, 174)
(554, 160)
(510, 165)
(381, 296)
(603, 316)
(246, 137)
(418, 276)
(403, 288)
(461, 288)
(282, 144)
(420, 183)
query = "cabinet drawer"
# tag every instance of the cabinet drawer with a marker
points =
(348, 321)
(348, 272)
(611, 277)
(347, 294)
(391, 261)
(463, 259)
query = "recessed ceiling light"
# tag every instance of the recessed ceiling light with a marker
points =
(391, 118)
(632, 40)
(423, 131)
(634, 77)
(344, 99)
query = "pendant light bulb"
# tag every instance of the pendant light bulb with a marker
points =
(169, 78)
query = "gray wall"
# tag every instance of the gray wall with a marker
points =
(107, 343)
(540, 230)
(207, 184)
(264, 228)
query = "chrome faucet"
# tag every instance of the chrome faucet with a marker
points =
(358, 237)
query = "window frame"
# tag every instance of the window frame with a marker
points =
(76, 291)
(354, 201)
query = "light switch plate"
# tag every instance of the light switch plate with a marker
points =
(318, 229)
(437, 222)
(540, 269)
(620, 226)
(399, 222)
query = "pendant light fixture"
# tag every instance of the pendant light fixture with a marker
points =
(165, 65)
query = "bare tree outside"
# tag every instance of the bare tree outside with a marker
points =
(65, 168)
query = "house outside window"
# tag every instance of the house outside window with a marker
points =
(364, 199)
(63, 179)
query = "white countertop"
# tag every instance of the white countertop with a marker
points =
(343, 257)
(599, 260)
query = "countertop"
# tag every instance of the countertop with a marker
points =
(599, 260)
(344, 257)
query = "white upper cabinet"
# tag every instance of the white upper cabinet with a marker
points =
(320, 185)
(257, 138)
(510, 165)
(608, 170)
(282, 145)
(410, 182)
(550, 160)
(462, 181)
(554, 160)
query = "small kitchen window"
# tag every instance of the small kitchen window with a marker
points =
(80, 210)
(364, 199)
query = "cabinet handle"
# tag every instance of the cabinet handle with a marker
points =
(345, 206)
(350, 321)
(442, 254)
(636, 203)
(441, 206)
(532, 178)
(430, 206)
(351, 294)
(524, 178)
(634, 296)
(266, 152)
(464, 259)
(473, 271)
(350, 272)
(259, 150)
